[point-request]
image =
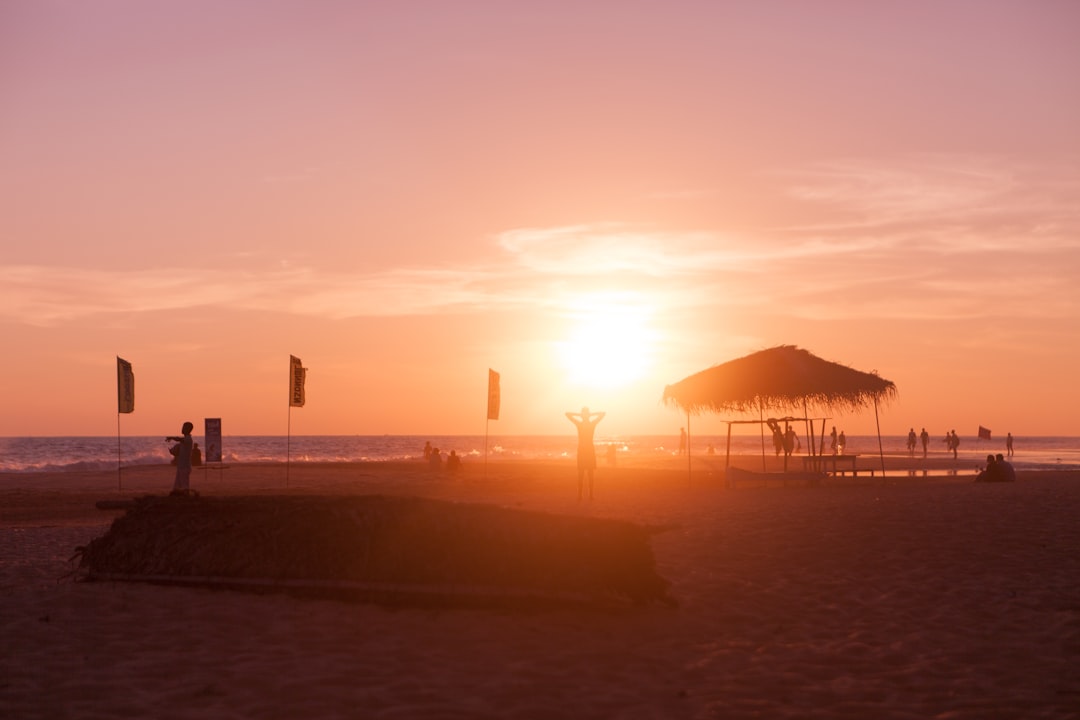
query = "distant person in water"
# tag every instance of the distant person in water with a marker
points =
(182, 451)
(585, 422)
(682, 440)
(427, 450)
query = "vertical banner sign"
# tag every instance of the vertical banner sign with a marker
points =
(493, 395)
(213, 440)
(125, 386)
(297, 375)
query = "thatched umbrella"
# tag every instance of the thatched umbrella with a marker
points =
(777, 378)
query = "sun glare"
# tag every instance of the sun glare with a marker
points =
(609, 345)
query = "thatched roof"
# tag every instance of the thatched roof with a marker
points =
(780, 377)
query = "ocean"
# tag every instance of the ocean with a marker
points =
(73, 454)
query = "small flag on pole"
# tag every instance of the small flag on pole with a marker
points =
(984, 433)
(125, 386)
(493, 395)
(297, 376)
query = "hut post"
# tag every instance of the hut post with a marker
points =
(881, 452)
(727, 455)
(689, 477)
(761, 427)
(808, 428)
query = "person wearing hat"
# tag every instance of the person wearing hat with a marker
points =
(182, 451)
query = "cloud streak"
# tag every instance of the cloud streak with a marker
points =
(943, 238)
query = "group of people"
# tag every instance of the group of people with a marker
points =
(997, 469)
(433, 457)
(785, 440)
(913, 440)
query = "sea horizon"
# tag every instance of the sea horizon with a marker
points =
(30, 454)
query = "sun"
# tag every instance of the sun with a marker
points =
(609, 344)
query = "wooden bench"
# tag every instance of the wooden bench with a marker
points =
(825, 461)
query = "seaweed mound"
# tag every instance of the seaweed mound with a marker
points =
(378, 548)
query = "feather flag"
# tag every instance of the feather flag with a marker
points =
(297, 377)
(493, 395)
(984, 433)
(125, 386)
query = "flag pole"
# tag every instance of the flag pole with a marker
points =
(288, 444)
(119, 479)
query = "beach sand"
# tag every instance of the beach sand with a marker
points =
(903, 597)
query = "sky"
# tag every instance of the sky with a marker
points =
(594, 199)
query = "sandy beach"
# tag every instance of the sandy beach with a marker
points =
(902, 597)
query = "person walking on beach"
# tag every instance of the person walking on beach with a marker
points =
(911, 442)
(790, 438)
(952, 442)
(586, 423)
(682, 441)
(182, 451)
(1008, 445)
(925, 437)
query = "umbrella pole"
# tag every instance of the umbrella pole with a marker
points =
(881, 452)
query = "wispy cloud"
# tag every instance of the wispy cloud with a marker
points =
(943, 238)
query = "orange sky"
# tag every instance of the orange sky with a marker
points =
(594, 199)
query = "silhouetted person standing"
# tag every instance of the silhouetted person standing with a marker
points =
(182, 451)
(1008, 445)
(925, 437)
(586, 423)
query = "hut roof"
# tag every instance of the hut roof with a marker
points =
(784, 376)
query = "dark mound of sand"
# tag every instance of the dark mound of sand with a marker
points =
(382, 548)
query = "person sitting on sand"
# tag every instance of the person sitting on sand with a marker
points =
(453, 461)
(1008, 472)
(586, 423)
(434, 459)
(990, 473)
